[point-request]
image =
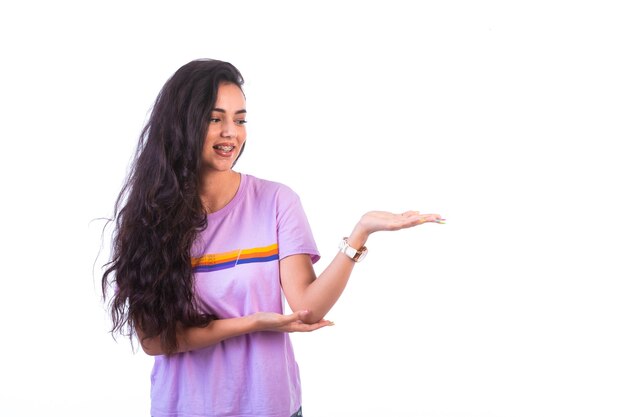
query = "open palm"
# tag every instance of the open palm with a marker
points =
(374, 221)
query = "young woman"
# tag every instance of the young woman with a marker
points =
(202, 256)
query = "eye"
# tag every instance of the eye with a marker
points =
(241, 122)
(214, 120)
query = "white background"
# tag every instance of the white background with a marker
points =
(504, 117)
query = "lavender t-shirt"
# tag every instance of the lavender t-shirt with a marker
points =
(235, 263)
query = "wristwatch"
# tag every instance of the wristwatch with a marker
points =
(356, 255)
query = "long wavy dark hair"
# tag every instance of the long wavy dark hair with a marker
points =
(158, 213)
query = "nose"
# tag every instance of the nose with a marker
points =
(228, 129)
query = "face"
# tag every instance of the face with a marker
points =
(227, 129)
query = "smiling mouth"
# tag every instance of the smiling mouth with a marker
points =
(223, 148)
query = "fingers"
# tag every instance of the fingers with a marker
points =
(428, 218)
(294, 323)
(413, 218)
(322, 323)
(420, 218)
(302, 315)
(303, 327)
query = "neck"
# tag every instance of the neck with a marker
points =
(218, 189)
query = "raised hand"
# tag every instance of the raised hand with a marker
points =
(375, 221)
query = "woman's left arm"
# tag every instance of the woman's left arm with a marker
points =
(304, 291)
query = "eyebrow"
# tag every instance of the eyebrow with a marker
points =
(224, 111)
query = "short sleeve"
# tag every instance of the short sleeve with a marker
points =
(294, 232)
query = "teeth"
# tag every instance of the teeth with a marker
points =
(224, 148)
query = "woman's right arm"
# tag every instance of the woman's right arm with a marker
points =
(192, 338)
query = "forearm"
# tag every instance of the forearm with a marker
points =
(322, 293)
(192, 338)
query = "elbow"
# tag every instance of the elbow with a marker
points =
(307, 314)
(150, 348)
(312, 317)
(150, 345)
(152, 352)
